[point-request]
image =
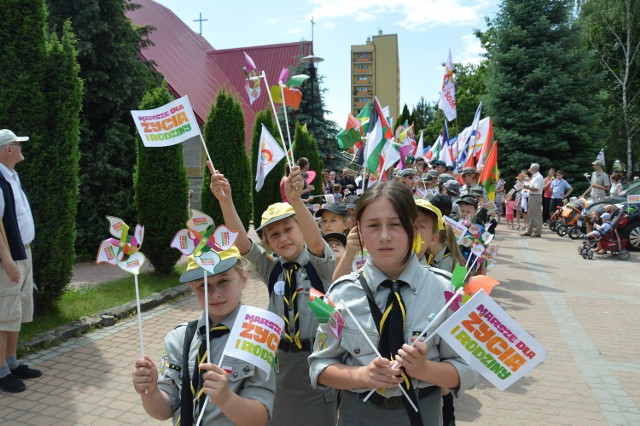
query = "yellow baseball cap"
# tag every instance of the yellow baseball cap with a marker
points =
(194, 272)
(426, 205)
(276, 212)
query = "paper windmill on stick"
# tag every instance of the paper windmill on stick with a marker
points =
(123, 250)
(203, 240)
(477, 240)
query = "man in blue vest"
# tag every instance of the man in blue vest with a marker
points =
(16, 275)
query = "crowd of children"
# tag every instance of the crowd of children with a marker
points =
(386, 254)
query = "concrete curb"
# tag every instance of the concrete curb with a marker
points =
(105, 318)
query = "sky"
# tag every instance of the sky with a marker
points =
(426, 30)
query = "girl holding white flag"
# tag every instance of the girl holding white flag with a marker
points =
(239, 393)
(388, 302)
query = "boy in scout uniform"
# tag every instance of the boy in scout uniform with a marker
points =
(239, 392)
(302, 261)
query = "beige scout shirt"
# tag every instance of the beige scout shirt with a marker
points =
(423, 296)
(245, 379)
(324, 266)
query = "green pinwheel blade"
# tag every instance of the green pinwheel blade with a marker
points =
(457, 278)
(296, 80)
(321, 309)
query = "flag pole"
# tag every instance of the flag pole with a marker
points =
(275, 114)
(286, 117)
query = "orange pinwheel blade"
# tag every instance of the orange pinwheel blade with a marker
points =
(480, 282)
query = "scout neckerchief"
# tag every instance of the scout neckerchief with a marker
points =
(292, 334)
(197, 390)
(390, 326)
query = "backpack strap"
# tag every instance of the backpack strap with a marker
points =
(186, 400)
(376, 313)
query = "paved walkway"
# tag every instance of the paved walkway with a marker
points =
(584, 312)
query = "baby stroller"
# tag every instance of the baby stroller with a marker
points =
(556, 218)
(570, 214)
(611, 241)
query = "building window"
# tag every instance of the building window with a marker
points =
(363, 78)
(362, 67)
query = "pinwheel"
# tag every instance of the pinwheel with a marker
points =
(203, 240)
(123, 250)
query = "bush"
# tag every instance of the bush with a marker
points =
(224, 136)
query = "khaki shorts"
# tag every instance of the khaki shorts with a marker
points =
(16, 299)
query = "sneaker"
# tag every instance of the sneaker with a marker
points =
(12, 383)
(25, 372)
(525, 235)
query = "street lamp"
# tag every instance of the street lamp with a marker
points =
(311, 60)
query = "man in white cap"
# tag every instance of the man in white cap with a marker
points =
(16, 283)
(600, 183)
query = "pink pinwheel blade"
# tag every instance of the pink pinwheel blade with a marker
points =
(455, 305)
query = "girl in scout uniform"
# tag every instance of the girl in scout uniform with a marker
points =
(303, 261)
(391, 297)
(239, 393)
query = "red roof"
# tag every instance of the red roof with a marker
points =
(192, 67)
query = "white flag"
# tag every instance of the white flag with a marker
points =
(420, 148)
(270, 153)
(254, 337)
(167, 125)
(601, 156)
(447, 101)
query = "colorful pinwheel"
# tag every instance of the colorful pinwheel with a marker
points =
(203, 240)
(123, 249)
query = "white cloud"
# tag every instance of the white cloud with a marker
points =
(471, 51)
(415, 15)
(271, 21)
(329, 24)
(293, 31)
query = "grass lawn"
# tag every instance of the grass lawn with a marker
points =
(90, 300)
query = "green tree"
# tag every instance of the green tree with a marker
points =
(42, 94)
(115, 81)
(405, 115)
(54, 164)
(312, 112)
(224, 136)
(612, 29)
(305, 146)
(541, 91)
(161, 192)
(270, 192)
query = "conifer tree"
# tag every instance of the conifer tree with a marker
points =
(42, 95)
(161, 192)
(541, 91)
(270, 192)
(115, 81)
(53, 165)
(224, 136)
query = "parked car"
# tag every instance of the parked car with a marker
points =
(632, 230)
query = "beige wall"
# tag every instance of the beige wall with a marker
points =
(377, 61)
